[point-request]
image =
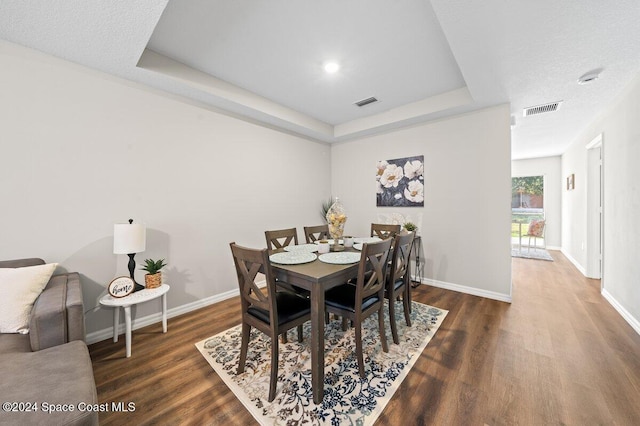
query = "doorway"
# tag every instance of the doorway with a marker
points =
(595, 210)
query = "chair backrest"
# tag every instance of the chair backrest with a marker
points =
(315, 233)
(384, 230)
(400, 257)
(372, 271)
(536, 228)
(281, 238)
(249, 263)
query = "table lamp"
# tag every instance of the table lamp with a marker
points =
(130, 238)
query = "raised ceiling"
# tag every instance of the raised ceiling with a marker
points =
(423, 60)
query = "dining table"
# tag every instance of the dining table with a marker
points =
(316, 277)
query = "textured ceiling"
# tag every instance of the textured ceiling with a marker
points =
(423, 59)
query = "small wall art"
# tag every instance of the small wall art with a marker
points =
(571, 182)
(400, 182)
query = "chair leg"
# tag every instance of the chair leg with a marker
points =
(344, 324)
(300, 338)
(284, 337)
(274, 369)
(407, 307)
(246, 332)
(383, 337)
(392, 320)
(359, 354)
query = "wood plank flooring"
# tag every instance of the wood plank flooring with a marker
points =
(559, 354)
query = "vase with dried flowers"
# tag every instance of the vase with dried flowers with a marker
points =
(336, 218)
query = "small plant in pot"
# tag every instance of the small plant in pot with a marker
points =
(153, 278)
(410, 226)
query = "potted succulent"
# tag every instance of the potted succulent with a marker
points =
(153, 278)
(410, 226)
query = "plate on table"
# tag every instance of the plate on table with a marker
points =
(340, 258)
(310, 248)
(367, 240)
(357, 246)
(293, 257)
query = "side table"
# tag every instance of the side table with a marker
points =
(130, 300)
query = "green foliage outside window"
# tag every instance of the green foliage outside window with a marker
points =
(528, 185)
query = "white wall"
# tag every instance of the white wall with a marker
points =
(466, 215)
(574, 206)
(550, 168)
(620, 128)
(80, 150)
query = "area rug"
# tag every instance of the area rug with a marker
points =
(533, 253)
(347, 399)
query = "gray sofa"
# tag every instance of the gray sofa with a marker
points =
(50, 367)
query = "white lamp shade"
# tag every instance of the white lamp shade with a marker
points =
(129, 238)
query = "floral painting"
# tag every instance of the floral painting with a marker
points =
(400, 182)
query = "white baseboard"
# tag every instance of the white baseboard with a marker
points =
(467, 290)
(554, 248)
(578, 266)
(107, 333)
(633, 322)
(137, 323)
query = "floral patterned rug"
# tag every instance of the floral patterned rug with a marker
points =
(348, 399)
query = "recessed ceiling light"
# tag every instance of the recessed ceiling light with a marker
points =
(589, 77)
(331, 67)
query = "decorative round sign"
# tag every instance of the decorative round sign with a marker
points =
(121, 287)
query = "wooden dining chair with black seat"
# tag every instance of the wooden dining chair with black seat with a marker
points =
(398, 280)
(270, 311)
(315, 233)
(358, 302)
(281, 238)
(384, 231)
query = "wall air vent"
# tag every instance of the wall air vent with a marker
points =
(366, 101)
(553, 106)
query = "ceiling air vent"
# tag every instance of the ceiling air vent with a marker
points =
(553, 106)
(366, 101)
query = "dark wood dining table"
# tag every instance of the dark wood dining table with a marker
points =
(317, 277)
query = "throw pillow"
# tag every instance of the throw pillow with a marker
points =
(19, 289)
(535, 228)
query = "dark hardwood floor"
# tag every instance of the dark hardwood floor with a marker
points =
(559, 354)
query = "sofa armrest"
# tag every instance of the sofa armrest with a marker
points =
(75, 308)
(57, 316)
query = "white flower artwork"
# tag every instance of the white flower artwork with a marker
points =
(414, 191)
(400, 182)
(391, 176)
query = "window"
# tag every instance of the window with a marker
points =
(527, 202)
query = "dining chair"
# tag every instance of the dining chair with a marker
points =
(398, 280)
(270, 311)
(315, 233)
(281, 238)
(384, 231)
(358, 302)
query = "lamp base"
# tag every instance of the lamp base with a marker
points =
(132, 267)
